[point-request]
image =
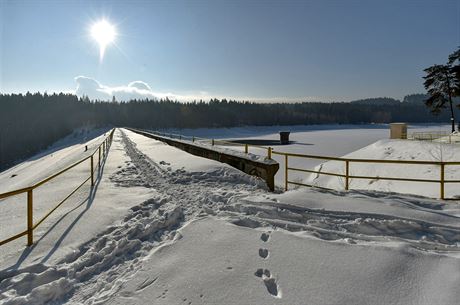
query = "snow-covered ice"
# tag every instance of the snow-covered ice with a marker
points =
(166, 227)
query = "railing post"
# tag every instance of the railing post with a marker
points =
(269, 153)
(103, 148)
(347, 174)
(92, 171)
(99, 160)
(193, 139)
(246, 148)
(285, 172)
(30, 218)
(212, 142)
(442, 180)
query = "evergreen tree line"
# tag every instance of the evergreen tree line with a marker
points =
(31, 122)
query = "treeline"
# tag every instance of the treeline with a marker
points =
(31, 122)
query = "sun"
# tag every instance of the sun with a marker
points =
(104, 33)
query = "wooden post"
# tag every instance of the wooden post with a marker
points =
(92, 171)
(103, 149)
(30, 218)
(246, 148)
(99, 160)
(442, 180)
(347, 174)
(285, 172)
(193, 139)
(269, 153)
(212, 142)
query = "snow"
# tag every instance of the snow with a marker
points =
(228, 268)
(396, 150)
(61, 154)
(166, 227)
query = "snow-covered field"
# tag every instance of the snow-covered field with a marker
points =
(165, 227)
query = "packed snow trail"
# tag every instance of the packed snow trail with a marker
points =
(99, 268)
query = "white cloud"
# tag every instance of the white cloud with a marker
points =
(140, 90)
(91, 88)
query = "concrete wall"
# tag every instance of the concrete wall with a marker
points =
(263, 170)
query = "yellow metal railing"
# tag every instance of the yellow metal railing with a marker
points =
(102, 151)
(347, 176)
(347, 163)
(213, 142)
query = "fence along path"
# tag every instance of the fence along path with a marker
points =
(101, 151)
(441, 180)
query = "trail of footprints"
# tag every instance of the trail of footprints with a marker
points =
(267, 278)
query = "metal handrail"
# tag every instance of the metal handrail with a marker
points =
(103, 149)
(212, 141)
(442, 164)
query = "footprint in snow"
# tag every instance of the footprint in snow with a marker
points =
(263, 253)
(264, 237)
(269, 282)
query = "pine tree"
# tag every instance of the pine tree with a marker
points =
(440, 84)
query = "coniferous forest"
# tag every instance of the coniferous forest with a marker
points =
(31, 122)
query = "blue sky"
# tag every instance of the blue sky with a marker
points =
(253, 49)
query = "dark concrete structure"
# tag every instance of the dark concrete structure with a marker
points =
(284, 137)
(264, 170)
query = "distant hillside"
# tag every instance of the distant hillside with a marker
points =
(415, 98)
(381, 101)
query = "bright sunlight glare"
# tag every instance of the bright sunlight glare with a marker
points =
(104, 33)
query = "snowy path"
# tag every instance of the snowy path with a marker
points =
(97, 268)
(209, 234)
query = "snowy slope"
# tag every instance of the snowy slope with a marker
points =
(396, 150)
(188, 230)
(61, 154)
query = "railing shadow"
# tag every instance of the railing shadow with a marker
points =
(89, 202)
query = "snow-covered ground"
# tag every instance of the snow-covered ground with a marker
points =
(166, 227)
(396, 150)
